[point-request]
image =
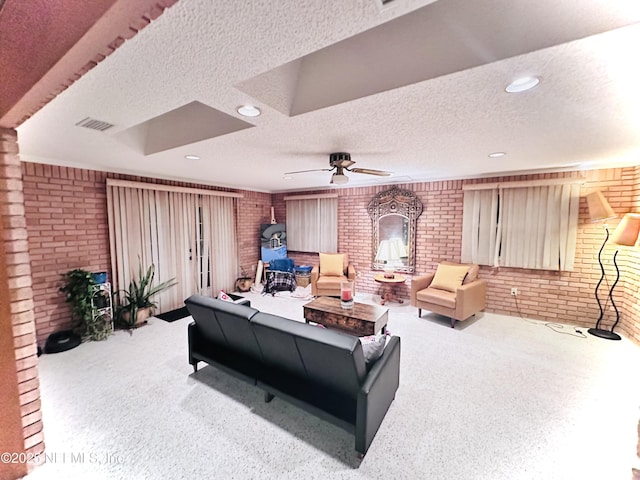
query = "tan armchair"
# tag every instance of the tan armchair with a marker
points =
(453, 290)
(326, 277)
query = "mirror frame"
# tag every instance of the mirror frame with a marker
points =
(399, 202)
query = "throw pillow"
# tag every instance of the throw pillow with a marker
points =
(373, 347)
(223, 296)
(472, 274)
(331, 264)
(449, 277)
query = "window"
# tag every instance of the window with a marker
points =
(312, 223)
(524, 227)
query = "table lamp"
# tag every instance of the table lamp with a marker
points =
(390, 252)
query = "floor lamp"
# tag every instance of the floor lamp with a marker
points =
(625, 234)
(599, 211)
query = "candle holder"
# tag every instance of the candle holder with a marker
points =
(346, 294)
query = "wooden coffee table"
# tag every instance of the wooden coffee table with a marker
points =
(360, 320)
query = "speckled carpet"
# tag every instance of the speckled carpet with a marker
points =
(495, 398)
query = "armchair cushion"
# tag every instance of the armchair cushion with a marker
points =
(332, 264)
(472, 274)
(438, 297)
(330, 282)
(449, 277)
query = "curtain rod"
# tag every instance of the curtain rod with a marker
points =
(112, 182)
(312, 196)
(523, 183)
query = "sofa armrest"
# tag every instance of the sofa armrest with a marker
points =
(376, 394)
(419, 283)
(315, 273)
(351, 272)
(471, 298)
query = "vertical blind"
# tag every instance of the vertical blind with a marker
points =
(312, 224)
(529, 227)
(186, 236)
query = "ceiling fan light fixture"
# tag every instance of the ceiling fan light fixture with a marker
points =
(522, 84)
(339, 178)
(248, 111)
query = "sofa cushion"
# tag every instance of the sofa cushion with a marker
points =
(438, 297)
(449, 277)
(332, 264)
(320, 355)
(472, 274)
(225, 323)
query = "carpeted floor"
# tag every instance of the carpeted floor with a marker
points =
(495, 398)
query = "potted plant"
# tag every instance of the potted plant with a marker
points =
(136, 305)
(78, 289)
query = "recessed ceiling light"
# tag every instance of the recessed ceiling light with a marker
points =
(248, 111)
(192, 157)
(522, 84)
(287, 177)
(497, 154)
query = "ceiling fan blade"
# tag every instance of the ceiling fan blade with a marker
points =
(370, 171)
(314, 170)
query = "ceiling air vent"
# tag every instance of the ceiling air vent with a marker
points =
(94, 124)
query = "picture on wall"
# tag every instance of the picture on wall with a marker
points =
(273, 241)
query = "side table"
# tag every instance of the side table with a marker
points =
(388, 284)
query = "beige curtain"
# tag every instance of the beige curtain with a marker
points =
(312, 225)
(219, 242)
(480, 227)
(538, 226)
(176, 232)
(524, 227)
(186, 236)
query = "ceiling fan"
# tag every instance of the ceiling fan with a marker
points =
(341, 161)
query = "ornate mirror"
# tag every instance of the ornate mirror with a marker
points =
(394, 214)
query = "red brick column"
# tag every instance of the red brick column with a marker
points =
(20, 414)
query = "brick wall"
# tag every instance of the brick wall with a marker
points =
(554, 296)
(566, 297)
(630, 273)
(67, 222)
(253, 210)
(66, 217)
(20, 414)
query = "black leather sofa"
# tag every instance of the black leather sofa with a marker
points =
(318, 369)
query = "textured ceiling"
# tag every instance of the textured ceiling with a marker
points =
(440, 111)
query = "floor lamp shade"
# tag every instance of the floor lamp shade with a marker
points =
(599, 208)
(627, 231)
